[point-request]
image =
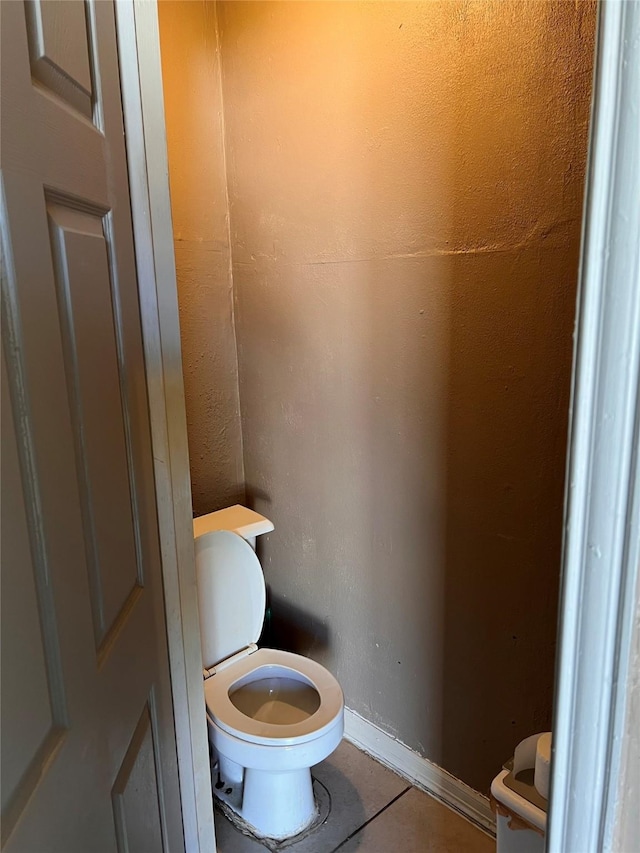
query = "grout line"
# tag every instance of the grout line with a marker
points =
(424, 774)
(367, 822)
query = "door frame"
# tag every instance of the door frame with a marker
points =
(601, 547)
(143, 109)
(602, 505)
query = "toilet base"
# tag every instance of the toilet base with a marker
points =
(267, 785)
(276, 805)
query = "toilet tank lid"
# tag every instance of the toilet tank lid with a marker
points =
(245, 522)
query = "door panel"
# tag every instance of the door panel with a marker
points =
(88, 325)
(58, 50)
(137, 813)
(89, 756)
(31, 650)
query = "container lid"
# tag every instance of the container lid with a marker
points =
(510, 803)
(231, 595)
(245, 522)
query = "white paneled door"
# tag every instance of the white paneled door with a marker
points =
(88, 743)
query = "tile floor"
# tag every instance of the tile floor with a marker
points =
(372, 811)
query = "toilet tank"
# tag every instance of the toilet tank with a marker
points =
(245, 522)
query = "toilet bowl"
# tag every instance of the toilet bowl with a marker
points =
(271, 714)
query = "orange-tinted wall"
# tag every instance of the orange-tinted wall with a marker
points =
(193, 110)
(405, 186)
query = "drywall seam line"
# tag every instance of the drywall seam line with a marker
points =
(229, 241)
(421, 772)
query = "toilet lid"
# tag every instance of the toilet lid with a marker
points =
(231, 595)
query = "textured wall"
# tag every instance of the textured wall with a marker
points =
(193, 106)
(405, 184)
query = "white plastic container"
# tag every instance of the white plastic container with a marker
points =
(521, 826)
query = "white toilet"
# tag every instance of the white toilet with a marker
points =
(272, 715)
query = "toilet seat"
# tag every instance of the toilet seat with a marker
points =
(224, 713)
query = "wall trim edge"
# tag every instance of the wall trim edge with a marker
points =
(421, 772)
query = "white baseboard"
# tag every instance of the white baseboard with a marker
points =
(419, 771)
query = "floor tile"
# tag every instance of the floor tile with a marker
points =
(359, 788)
(231, 840)
(416, 823)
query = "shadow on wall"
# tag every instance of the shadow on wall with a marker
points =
(405, 184)
(289, 628)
